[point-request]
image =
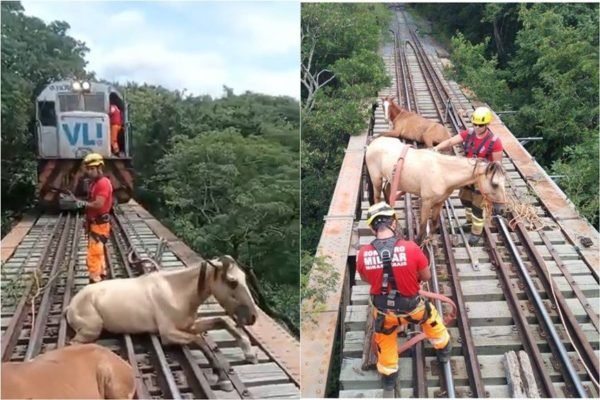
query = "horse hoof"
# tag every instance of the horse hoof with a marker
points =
(252, 358)
(225, 385)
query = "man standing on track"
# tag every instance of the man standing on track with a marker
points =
(98, 206)
(393, 267)
(478, 142)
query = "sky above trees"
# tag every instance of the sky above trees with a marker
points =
(199, 46)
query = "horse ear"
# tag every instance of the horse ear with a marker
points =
(225, 261)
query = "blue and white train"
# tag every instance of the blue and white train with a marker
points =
(72, 120)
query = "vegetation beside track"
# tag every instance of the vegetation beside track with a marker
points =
(340, 45)
(541, 61)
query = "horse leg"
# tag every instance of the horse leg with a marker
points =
(176, 336)
(427, 138)
(391, 133)
(86, 329)
(205, 324)
(376, 182)
(425, 209)
(435, 216)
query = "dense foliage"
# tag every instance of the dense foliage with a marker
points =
(222, 174)
(540, 60)
(33, 54)
(340, 45)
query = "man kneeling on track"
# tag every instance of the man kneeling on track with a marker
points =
(98, 206)
(393, 267)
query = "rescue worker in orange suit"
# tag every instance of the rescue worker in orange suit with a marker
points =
(478, 142)
(116, 122)
(394, 267)
(98, 206)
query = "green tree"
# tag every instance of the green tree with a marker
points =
(546, 69)
(33, 54)
(341, 74)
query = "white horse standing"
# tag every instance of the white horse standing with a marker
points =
(166, 303)
(432, 176)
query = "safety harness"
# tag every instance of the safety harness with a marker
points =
(98, 220)
(470, 143)
(390, 301)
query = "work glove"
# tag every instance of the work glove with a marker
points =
(80, 203)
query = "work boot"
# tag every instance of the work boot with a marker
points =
(443, 355)
(474, 239)
(389, 385)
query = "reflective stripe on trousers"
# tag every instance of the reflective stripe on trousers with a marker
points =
(96, 263)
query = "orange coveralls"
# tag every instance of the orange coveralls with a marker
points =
(116, 121)
(407, 259)
(98, 232)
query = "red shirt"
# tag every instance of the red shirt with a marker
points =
(101, 187)
(477, 142)
(115, 115)
(407, 260)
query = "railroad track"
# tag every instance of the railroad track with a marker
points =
(48, 267)
(509, 288)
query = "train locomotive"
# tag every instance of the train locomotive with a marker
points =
(72, 120)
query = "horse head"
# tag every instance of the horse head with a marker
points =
(387, 102)
(231, 291)
(491, 182)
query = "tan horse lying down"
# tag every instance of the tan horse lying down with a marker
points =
(432, 176)
(412, 126)
(166, 303)
(84, 371)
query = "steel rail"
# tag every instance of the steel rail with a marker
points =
(62, 327)
(520, 321)
(556, 346)
(183, 353)
(166, 375)
(556, 342)
(211, 351)
(446, 367)
(572, 325)
(540, 371)
(576, 289)
(140, 387)
(419, 376)
(222, 363)
(11, 335)
(462, 318)
(37, 333)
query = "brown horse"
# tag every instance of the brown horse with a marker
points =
(84, 371)
(412, 126)
(432, 176)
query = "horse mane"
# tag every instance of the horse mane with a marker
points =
(494, 167)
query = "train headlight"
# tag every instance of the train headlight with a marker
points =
(86, 86)
(76, 86)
